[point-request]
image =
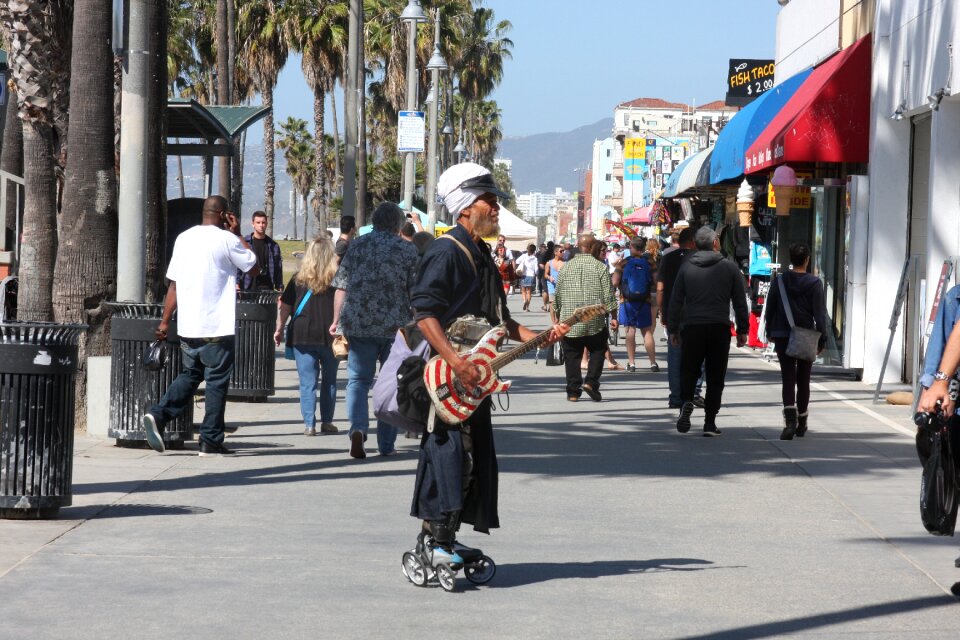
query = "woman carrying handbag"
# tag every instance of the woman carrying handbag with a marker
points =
(794, 308)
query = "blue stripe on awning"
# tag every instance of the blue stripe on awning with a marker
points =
(744, 128)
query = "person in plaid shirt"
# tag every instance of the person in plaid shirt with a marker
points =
(584, 280)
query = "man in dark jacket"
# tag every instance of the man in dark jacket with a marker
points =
(700, 320)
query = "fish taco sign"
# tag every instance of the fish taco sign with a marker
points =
(747, 79)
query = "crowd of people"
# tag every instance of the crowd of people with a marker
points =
(363, 290)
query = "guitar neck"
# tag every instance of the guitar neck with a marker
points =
(536, 342)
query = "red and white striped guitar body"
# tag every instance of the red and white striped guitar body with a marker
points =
(453, 403)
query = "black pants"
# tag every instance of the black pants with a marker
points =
(705, 346)
(573, 348)
(795, 376)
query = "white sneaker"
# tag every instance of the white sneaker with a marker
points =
(154, 439)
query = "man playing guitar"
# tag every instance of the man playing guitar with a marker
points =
(457, 277)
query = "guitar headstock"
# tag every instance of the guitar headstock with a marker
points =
(584, 314)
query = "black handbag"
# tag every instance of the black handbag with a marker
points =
(555, 355)
(155, 356)
(803, 343)
(938, 483)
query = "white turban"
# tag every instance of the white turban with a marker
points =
(456, 197)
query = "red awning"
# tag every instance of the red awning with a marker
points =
(639, 216)
(826, 120)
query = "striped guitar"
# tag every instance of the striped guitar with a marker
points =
(452, 401)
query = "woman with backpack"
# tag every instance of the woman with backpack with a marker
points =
(805, 297)
(634, 277)
(308, 298)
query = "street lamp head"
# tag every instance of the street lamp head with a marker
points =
(460, 148)
(413, 12)
(437, 63)
(431, 95)
(447, 128)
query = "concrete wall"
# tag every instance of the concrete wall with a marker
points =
(807, 32)
(916, 32)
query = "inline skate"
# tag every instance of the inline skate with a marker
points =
(430, 562)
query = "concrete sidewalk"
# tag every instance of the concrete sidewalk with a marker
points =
(614, 525)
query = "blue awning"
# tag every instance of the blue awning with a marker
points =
(744, 128)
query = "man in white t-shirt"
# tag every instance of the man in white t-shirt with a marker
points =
(202, 290)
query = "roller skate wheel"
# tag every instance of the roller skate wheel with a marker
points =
(446, 577)
(481, 571)
(413, 569)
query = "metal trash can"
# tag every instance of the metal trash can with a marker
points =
(254, 364)
(38, 370)
(133, 389)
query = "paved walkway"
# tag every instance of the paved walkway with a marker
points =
(614, 526)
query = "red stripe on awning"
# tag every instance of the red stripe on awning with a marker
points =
(826, 120)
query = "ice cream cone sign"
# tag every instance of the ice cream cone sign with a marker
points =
(745, 203)
(784, 183)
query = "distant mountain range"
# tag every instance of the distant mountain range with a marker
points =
(545, 161)
(541, 162)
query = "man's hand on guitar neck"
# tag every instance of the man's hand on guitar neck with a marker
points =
(522, 334)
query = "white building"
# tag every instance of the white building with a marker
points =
(914, 173)
(537, 204)
(603, 186)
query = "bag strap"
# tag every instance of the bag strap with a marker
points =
(462, 248)
(303, 303)
(786, 302)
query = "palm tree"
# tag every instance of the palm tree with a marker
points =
(264, 51)
(318, 30)
(487, 133)
(86, 264)
(297, 145)
(481, 61)
(38, 65)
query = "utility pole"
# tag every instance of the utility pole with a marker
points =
(435, 66)
(350, 103)
(134, 150)
(412, 15)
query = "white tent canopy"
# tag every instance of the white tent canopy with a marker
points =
(517, 232)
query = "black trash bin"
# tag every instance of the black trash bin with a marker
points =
(254, 365)
(134, 389)
(38, 367)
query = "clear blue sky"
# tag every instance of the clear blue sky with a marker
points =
(575, 60)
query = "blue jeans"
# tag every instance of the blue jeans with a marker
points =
(364, 354)
(316, 362)
(209, 359)
(673, 373)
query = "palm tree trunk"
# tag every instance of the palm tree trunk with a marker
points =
(236, 170)
(183, 187)
(223, 84)
(86, 266)
(320, 157)
(337, 186)
(11, 161)
(269, 175)
(306, 218)
(39, 249)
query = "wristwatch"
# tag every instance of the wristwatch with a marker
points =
(940, 375)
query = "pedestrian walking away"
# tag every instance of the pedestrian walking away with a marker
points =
(670, 265)
(527, 272)
(310, 294)
(457, 476)
(634, 278)
(371, 302)
(585, 281)
(805, 297)
(700, 323)
(203, 292)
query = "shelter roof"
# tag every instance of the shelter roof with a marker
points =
(188, 118)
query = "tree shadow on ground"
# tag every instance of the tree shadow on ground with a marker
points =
(822, 620)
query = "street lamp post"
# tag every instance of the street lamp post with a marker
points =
(435, 66)
(412, 15)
